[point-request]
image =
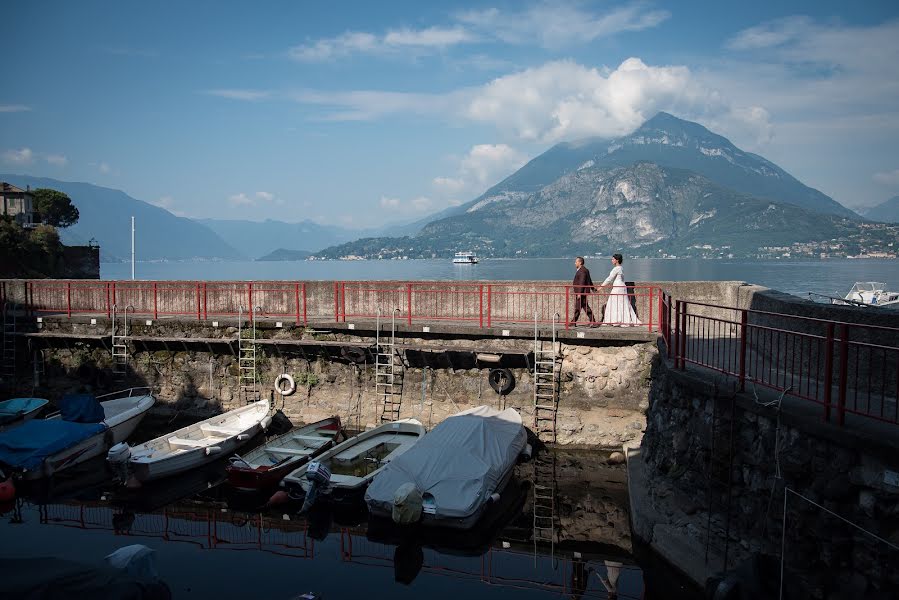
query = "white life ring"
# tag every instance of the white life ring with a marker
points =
(291, 384)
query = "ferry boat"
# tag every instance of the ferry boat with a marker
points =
(869, 293)
(465, 258)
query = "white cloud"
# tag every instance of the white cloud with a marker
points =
(557, 100)
(22, 156)
(57, 160)
(483, 166)
(392, 42)
(104, 168)
(13, 108)
(887, 177)
(421, 203)
(239, 94)
(244, 199)
(389, 203)
(558, 24)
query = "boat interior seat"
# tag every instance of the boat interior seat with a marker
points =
(219, 429)
(360, 449)
(314, 440)
(294, 451)
(176, 441)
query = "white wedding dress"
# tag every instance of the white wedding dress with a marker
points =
(618, 311)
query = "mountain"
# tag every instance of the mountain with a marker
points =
(254, 239)
(672, 142)
(887, 211)
(642, 207)
(282, 254)
(105, 215)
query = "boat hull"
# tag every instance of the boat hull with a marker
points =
(254, 479)
(86, 449)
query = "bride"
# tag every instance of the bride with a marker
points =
(618, 311)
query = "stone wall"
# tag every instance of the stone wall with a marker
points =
(603, 386)
(852, 474)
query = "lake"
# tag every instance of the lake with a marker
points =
(830, 276)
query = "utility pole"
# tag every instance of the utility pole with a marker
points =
(132, 248)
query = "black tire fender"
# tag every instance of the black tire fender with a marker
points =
(502, 381)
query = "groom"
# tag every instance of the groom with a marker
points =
(583, 285)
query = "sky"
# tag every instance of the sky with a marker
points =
(365, 113)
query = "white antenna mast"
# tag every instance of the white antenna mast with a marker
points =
(132, 248)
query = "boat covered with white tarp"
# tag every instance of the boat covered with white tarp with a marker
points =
(454, 472)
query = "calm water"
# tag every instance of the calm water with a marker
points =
(795, 277)
(207, 546)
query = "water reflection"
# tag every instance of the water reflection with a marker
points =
(582, 551)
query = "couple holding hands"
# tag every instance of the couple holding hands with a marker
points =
(618, 310)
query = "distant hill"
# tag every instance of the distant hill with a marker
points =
(282, 254)
(643, 208)
(259, 238)
(886, 212)
(105, 215)
(671, 142)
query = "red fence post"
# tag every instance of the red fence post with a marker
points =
(489, 318)
(155, 302)
(296, 297)
(844, 369)
(114, 299)
(336, 302)
(305, 321)
(409, 303)
(107, 300)
(828, 371)
(649, 308)
(250, 297)
(199, 315)
(744, 319)
(343, 300)
(69, 299)
(481, 306)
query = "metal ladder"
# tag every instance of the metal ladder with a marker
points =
(388, 379)
(544, 506)
(120, 345)
(9, 343)
(246, 357)
(720, 474)
(546, 384)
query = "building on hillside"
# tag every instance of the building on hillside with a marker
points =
(17, 203)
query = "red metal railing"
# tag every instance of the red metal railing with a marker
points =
(470, 303)
(843, 367)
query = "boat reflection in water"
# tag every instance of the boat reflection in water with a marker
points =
(582, 551)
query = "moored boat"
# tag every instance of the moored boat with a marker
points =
(85, 427)
(869, 293)
(453, 475)
(465, 258)
(16, 411)
(191, 446)
(265, 466)
(352, 465)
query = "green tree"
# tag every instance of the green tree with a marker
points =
(54, 207)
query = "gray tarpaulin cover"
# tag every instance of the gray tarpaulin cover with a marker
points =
(460, 462)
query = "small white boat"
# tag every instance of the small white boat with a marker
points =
(457, 471)
(84, 428)
(869, 293)
(191, 446)
(16, 411)
(354, 463)
(465, 258)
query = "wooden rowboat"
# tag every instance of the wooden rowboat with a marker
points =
(265, 466)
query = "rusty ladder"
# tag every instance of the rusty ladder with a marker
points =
(547, 370)
(120, 344)
(388, 373)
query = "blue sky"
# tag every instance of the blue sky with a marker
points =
(361, 113)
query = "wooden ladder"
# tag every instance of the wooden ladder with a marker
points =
(388, 372)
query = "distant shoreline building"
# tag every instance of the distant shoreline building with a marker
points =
(17, 203)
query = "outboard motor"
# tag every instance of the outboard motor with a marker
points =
(117, 457)
(319, 476)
